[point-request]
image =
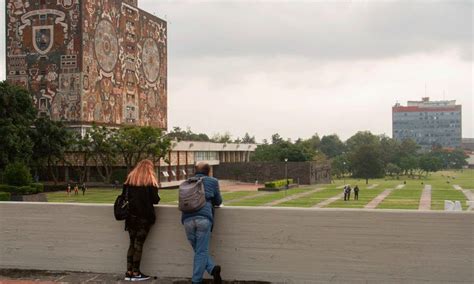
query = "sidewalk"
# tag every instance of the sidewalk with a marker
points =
(17, 276)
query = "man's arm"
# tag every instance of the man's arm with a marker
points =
(217, 200)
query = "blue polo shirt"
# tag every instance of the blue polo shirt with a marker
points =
(213, 197)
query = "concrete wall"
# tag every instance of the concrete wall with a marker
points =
(304, 172)
(274, 244)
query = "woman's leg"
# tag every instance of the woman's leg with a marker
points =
(141, 234)
(131, 249)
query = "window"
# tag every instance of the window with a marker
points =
(165, 174)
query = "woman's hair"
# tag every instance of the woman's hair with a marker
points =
(142, 175)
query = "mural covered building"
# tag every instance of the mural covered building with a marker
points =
(101, 61)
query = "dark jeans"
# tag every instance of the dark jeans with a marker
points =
(138, 232)
(356, 196)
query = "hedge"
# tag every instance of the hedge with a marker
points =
(5, 196)
(278, 183)
(22, 190)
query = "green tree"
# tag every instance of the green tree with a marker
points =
(392, 169)
(186, 135)
(429, 162)
(17, 114)
(103, 150)
(340, 165)
(366, 162)
(80, 149)
(222, 138)
(136, 143)
(247, 139)
(409, 164)
(51, 140)
(361, 138)
(332, 146)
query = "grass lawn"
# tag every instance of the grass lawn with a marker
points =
(439, 196)
(228, 196)
(264, 199)
(312, 199)
(365, 196)
(405, 198)
(104, 195)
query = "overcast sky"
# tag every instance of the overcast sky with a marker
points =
(297, 68)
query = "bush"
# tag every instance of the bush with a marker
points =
(26, 189)
(120, 175)
(55, 187)
(278, 183)
(8, 188)
(39, 187)
(5, 196)
(17, 174)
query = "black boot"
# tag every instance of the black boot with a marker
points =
(216, 273)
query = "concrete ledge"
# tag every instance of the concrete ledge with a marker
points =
(291, 245)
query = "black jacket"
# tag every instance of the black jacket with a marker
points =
(141, 200)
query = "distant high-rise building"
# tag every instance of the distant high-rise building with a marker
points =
(89, 61)
(428, 122)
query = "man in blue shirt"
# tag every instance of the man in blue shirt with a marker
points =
(198, 226)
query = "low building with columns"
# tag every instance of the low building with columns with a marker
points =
(186, 154)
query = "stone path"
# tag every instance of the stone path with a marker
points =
(425, 200)
(466, 192)
(246, 197)
(329, 201)
(373, 186)
(294, 196)
(378, 199)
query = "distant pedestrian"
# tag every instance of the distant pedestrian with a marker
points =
(83, 188)
(76, 189)
(349, 192)
(68, 189)
(345, 192)
(356, 192)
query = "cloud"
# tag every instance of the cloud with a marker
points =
(324, 30)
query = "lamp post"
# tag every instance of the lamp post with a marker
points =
(344, 172)
(286, 174)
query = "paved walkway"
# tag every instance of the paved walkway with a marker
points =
(17, 276)
(294, 196)
(425, 200)
(373, 186)
(329, 201)
(378, 199)
(251, 196)
(466, 192)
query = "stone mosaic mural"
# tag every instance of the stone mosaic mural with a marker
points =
(106, 64)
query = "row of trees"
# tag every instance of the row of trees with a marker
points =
(181, 134)
(364, 155)
(43, 144)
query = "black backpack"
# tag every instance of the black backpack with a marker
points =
(121, 206)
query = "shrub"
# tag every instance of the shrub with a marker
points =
(5, 196)
(278, 183)
(26, 189)
(39, 187)
(17, 174)
(54, 187)
(8, 188)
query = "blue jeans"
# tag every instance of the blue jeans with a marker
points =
(198, 232)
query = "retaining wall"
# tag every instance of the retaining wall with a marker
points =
(274, 244)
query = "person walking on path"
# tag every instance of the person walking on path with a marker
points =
(356, 192)
(76, 189)
(198, 226)
(349, 192)
(83, 188)
(141, 187)
(345, 192)
(68, 189)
